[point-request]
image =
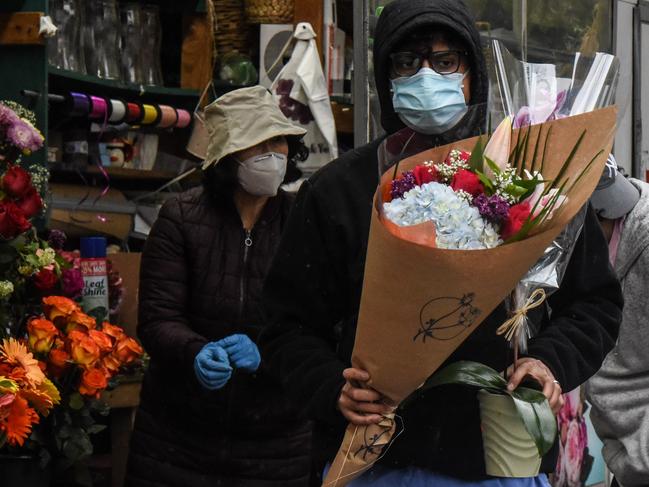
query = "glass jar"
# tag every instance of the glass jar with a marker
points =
(133, 43)
(102, 39)
(152, 33)
(65, 49)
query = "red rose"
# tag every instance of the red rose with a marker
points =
(16, 181)
(30, 203)
(425, 174)
(17, 217)
(12, 220)
(517, 216)
(45, 279)
(467, 181)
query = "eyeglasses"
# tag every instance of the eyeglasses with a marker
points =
(407, 63)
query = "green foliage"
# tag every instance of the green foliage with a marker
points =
(532, 406)
(476, 161)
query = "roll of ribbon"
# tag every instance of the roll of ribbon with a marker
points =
(118, 111)
(151, 115)
(168, 116)
(99, 107)
(80, 104)
(184, 119)
(134, 113)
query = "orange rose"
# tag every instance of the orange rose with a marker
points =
(103, 341)
(42, 333)
(58, 361)
(58, 308)
(111, 364)
(128, 350)
(83, 350)
(112, 331)
(93, 381)
(78, 320)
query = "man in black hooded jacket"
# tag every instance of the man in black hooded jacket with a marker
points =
(313, 290)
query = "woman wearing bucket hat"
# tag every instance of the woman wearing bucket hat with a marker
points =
(430, 77)
(619, 392)
(209, 415)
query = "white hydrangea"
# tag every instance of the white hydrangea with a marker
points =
(46, 256)
(458, 224)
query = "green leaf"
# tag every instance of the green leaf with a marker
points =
(488, 184)
(8, 254)
(95, 428)
(468, 373)
(516, 191)
(476, 161)
(538, 419)
(77, 447)
(493, 166)
(76, 401)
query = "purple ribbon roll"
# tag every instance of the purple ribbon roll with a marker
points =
(80, 104)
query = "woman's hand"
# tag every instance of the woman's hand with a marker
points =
(537, 370)
(360, 406)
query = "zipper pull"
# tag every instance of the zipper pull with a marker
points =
(248, 241)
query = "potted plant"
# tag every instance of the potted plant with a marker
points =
(518, 427)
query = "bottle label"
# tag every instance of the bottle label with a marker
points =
(95, 288)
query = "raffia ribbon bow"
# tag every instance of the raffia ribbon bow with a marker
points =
(510, 327)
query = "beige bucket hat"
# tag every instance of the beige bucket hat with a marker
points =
(242, 119)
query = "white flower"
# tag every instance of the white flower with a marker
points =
(46, 256)
(6, 288)
(458, 225)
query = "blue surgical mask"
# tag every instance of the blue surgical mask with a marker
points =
(428, 102)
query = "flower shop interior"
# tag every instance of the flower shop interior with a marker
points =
(101, 119)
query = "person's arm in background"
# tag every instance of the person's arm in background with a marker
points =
(586, 312)
(162, 323)
(303, 302)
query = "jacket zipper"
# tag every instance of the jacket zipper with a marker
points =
(247, 242)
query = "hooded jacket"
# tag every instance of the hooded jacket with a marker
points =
(313, 289)
(619, 393)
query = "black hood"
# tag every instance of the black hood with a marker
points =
(400, 19)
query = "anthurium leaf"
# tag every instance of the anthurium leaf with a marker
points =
(537, 417)
(7, 254)
(529, 395)
(468, 373)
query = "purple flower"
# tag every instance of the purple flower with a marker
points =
(7, 116)
(492, 208)
(404, 184)
(56, 239)
(72, 281)
(24, 136)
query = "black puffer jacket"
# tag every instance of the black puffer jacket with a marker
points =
(313, 290)
(200, 282)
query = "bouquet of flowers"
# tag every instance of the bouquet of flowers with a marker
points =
(67, 360)
(461, 225)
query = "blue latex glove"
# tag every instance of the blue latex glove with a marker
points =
(242, 351)
(212, 367)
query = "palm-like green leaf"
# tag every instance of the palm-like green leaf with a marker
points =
(532, 406)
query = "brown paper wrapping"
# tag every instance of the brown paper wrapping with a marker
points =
(419, 304)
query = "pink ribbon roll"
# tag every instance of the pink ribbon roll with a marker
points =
(184, 119)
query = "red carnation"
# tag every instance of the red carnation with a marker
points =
(45, 280)
(518, 215)
(425, 174)
(16, 181)
(467, 181)
(30, 203)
